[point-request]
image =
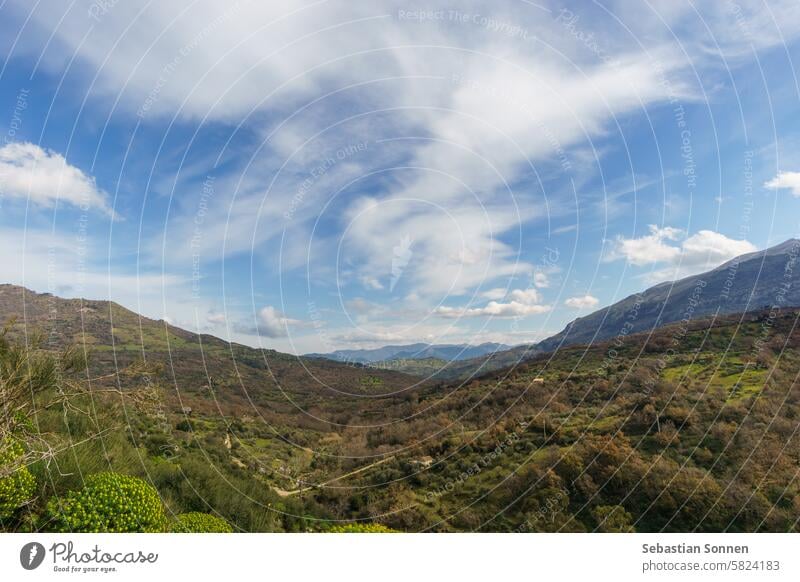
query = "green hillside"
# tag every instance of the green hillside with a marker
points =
(693, 427)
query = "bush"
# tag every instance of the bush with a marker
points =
(362, 528)
(194, 484)
(196, 522)
(109, 502)
(185, 426)
(16, 484)
(613, 519)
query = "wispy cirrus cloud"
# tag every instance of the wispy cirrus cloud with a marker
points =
(392, 156)
(474, 117)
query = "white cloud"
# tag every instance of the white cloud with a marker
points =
(361, 306)
(45, 178)
(700, 252)
(273, 324)
(493, 309)
(215, 318)
(709, 30)
(499, 118)
(541, 280)
(495, 294)
(785, 181)
(482, 108)
(707, 249)
(522, 302)
(582, 302)
(528, 296)
(222, 59)
(371, 283)
(651, 248)
(487, 108)
(62, 264)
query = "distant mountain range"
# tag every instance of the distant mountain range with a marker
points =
(419, 351)
(293, 430)
(750, 282)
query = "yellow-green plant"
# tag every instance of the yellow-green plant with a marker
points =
(196, 522)
(16, 482)
(109, 502)
(362, 528)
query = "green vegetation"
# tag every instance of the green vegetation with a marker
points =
(109, 502)
(371, 381)
(423, 367)
(362, 528)
(613, 519)
(196, 522)
(689, 428)
(17, 485)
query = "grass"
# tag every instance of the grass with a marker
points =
(730, 372)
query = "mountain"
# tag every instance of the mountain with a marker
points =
(419, 351)
(750, 282)
(202, 370)
(746, 283)
(660, 435)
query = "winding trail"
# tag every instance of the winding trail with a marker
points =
(284, 493)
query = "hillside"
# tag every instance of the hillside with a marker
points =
(692, 427)
(203, 371)
(751, 282)
(746, 283)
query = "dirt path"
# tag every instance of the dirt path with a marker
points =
(284, 493)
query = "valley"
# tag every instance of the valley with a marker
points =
(672, 430)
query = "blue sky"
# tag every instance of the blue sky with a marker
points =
(311, 176)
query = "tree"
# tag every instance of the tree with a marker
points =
(613, 519)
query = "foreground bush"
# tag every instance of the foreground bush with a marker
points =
(109, 502)
(16, 483)
(362, 528)
(196, 522)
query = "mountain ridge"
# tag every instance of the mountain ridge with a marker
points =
(742, 284)
(415, 351)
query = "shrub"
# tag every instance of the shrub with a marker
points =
(613, 519)
(362, 528)
(196, 522)
(16, 484)
(185, 426)
(109, 502)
